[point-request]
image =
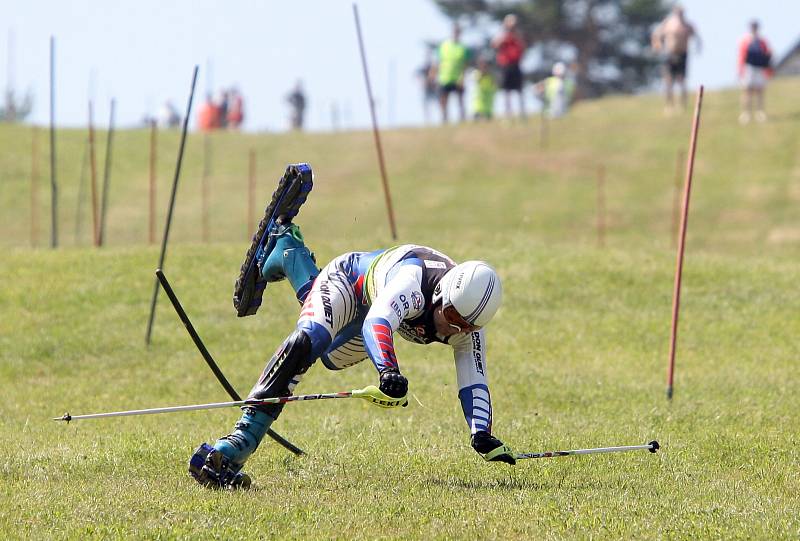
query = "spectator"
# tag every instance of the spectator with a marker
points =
(208, 115)
(485, 89)
(510, 47)
(427, 76)
(222, 105)
(168, 116)
(452, 63)
(236, 110)
(671, 39)
(755, 67)
(297, 101)
(556, 91)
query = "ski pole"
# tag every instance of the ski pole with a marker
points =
(653, 446)
(369, 393)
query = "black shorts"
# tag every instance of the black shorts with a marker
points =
(676, 64)
(512, 78)
(444, 90)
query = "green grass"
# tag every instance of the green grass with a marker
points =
(577, 355)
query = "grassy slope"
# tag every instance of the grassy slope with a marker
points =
(577, 355)
(747, 181)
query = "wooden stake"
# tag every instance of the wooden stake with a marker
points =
(81, 193)
(53, 183)
(106, 178)
(682, 241)
(601, 206)
(376, 133)
(152, 221)
(34, 187)
(204, 188)
(543, 129)
(93, 175)
(251, 193)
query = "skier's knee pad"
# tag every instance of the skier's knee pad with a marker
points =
(292, 359)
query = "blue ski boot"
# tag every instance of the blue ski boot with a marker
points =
(290, 258)
(292, 191)
(212, 469)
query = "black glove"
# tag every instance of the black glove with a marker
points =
(393, 384)
(492, 449)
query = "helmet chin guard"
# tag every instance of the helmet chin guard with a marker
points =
(473, 289)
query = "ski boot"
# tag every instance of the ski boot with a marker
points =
(292, 191)
(212, 469)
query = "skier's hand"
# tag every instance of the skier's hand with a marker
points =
(393, 384)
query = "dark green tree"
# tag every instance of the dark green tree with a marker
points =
(609, 40)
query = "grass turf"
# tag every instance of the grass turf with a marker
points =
(577, 356)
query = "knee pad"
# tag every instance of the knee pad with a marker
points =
(292, 359)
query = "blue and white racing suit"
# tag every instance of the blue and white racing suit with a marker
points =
(360, 299)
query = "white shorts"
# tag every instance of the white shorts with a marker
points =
(754, 78)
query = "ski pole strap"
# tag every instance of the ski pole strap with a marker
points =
(375, 396)
(494, 453)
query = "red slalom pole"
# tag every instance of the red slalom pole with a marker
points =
(388, 197)
(676, 197)
(676, 298)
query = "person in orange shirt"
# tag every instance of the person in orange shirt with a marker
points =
(755, 67)
(208, 115)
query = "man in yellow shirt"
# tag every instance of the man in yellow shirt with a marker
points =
(452, 63)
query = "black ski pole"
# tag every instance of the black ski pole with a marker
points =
(210, 360)
(171, 207)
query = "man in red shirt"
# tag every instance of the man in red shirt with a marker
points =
(755, 61)
(510, 47)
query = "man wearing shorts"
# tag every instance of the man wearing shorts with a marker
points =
(755, 60)
(452, 63)
(671, 39)
(510, 47)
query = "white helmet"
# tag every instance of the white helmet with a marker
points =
(473, 289)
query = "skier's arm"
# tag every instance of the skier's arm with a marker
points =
(469, 351)
(394, 303)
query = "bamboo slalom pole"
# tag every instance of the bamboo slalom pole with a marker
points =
(682, 242)
(376, 133)
(676, 197)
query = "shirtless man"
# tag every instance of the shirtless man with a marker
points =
(671, 39)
